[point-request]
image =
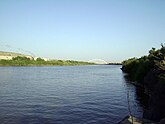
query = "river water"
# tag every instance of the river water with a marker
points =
(94, 94)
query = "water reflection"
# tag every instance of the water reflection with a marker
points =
(139, 94)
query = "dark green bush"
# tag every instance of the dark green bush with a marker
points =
(137, 68)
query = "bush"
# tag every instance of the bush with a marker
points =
(20, 58)
(137, 68)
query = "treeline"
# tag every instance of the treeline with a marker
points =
(138, 68)
(149, 72)
(24, 61)
(114, 63)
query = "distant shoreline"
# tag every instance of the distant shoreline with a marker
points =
(114, 64)
(24, 61)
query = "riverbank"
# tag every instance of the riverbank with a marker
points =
(149, 73)
(114, 64)
(134, 120)
(24, 61)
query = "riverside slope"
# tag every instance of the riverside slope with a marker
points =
(155, 84)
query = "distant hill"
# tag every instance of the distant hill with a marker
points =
(17, 59)
(2, 53)
(10, 55)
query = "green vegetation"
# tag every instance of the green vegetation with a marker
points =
(149, 73)
(138, 68)
(24, 61)
(114, 63)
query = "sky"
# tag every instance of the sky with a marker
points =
(111, 30)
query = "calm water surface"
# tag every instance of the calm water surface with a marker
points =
(65, 95)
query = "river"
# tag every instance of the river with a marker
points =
(95, 94)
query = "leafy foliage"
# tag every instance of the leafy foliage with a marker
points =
(24, 61)
(137, 68)
(40, 59)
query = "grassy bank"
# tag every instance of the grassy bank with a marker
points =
(23, 61)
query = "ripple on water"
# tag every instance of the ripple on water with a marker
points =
(64, 95)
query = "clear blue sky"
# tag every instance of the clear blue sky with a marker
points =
(112, 30)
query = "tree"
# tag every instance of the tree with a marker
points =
(20, 58)
(40, 59)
